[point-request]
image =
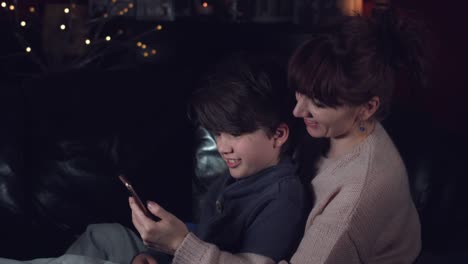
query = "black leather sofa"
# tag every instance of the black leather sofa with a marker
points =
(66, 137)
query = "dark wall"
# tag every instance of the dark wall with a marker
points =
(446, 99)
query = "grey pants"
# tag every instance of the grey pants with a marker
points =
(99, 244)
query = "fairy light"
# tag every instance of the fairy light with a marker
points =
(153, 51)
(145, 54)
(63, 27)
(66, 10)
(125, 10)
(205, 4)
(12, 7)
(106, 15)
(139, 44)
(87, 41)
(23, 23)
(113, 1)
(159, 27)
(32, 9)
(108, 38)
(130, 5)
(4, 4)
(28, 49)
(143, 46)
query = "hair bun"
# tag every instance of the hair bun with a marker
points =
(400, 40)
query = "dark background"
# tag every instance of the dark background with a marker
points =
(68, 131)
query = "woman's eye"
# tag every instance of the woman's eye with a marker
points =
(318, 104)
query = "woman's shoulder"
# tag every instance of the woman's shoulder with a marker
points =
(371, 171)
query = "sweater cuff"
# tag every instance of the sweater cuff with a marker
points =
(191, 250)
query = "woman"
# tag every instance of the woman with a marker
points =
(363, 211)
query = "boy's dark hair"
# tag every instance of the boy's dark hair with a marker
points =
(243, 94)
(356, 58)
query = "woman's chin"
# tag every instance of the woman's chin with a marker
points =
(314, 132)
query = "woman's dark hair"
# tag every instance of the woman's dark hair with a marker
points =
(242, 94)
(355, 58)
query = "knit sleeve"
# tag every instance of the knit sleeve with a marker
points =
(194, 251)
(326, 239)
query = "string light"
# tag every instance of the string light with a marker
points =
(205, 4)
(4, 4)
(145, 54)
(32, 9)
(66, 10)
(12, 7)
(105, 15)
(113, 1)
(139, 44)
(108, 38)
(130, 5)
(159, 27)
(87, 41)
(125, 10)
(153, 52)
(28, 49)
(23, 23)
(143, 46)
(63, 27)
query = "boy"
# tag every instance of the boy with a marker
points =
(260, 206)
(244, 104)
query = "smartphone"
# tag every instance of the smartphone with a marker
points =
(135, 195)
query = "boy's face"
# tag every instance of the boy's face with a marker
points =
(249, 153)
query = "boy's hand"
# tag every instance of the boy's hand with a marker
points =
(144, 258)
(165, 235)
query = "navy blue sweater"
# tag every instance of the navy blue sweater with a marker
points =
(264, 213)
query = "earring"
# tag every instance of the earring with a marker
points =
(361, 127)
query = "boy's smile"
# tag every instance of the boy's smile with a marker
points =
(232, 163)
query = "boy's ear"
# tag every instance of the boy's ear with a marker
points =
(281, 135)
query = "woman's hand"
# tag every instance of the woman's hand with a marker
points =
(144, 258)
(165, 235)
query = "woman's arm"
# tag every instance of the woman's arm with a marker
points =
(194, 251)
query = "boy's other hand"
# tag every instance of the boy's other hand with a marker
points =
(165, 235)
(144, 258)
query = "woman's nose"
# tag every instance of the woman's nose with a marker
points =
(299, 109)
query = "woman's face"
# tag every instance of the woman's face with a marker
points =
(322, 121)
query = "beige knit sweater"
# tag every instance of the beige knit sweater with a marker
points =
(363, 213)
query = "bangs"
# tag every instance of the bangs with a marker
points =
(314, 70)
